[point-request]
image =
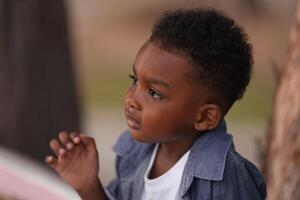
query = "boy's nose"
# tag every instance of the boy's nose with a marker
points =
(131, 102)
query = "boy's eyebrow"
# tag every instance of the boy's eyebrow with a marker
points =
(154, 81)
(159, 82)
(133, 69)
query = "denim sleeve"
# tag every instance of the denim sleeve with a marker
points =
(113, 189)
(123, 147)
(242, 181)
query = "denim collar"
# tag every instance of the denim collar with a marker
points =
(208, 154)
(206, 160)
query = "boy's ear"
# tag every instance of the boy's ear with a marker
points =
(208, 117)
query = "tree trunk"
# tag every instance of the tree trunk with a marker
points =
(282, 166)
(37, 91)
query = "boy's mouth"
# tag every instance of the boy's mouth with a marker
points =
(132, 122)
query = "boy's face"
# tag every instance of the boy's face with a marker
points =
(161, 104)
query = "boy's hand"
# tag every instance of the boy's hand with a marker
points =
(76, 160)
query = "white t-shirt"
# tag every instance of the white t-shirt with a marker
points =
(167, 185)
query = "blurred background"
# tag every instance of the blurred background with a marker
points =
(65, 66)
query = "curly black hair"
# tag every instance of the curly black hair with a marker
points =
(217, 47)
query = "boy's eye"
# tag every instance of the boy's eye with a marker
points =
(154, 94)
(133, 78)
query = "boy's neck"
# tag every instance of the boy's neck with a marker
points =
(168, 154)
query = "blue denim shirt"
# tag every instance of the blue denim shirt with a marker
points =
(214, 170)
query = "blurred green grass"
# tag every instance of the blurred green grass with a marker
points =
(105, 89)
(256, 105)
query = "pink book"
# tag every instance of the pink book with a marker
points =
(22, 179)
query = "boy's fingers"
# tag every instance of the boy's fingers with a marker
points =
(86, 140)
(62, 152)
(63, 155)
(64, 138)
(75, 137)
(55, 146)
(73, 134)
(51, 161)
(69, 145)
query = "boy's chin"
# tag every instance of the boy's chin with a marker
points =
(139, 137)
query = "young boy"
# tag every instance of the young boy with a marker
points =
(186, 77)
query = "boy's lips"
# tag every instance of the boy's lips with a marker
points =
(133, 124)
(132, 121)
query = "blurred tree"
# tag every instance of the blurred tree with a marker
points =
(37, 91)
(282, 166)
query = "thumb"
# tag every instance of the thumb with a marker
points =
(51, 161)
